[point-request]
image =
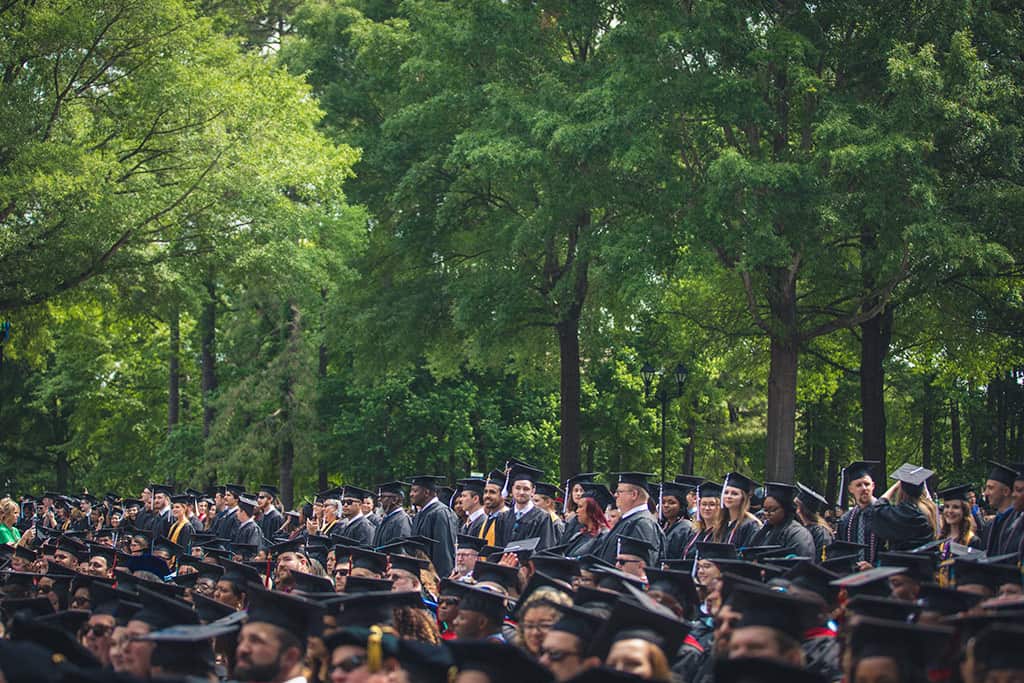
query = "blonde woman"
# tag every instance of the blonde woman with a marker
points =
(709, 511)
(957, 525)
(737, 525)
(9, 534)
(906, 516)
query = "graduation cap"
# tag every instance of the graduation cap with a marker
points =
(570, 484)
(104, 551)
(162, 488)
(295, 545)
(473, 484)
(31, 607)
(884, 608)
(911, 478)
(785, 612)
(1002, 473)
(762, 670)
(689, 480)
(632, 478)
(639, 617)
(161, 611)
(614, 579)
(234, 489)
(999, 647)
(209, 609)
(716, 551)
(538, 581)
(495, 478)
(561, 568)
(631, 545)
(855, 470)
(162, 543)
(406, 563)
(183, 499)
(784, 494)
(523, 549)
(311, 583)
(871, 582)
(375, 607)
(393, 487)
(920, 566)
(361, 558)
(271, 491)
(244, 550)
(247, 504)
(294, 614)
(739, 481)
(709, 489)
(462, 542)
(991, 576)
(600, 493)
(684, 565)
(843, 548)
(756, 552)
(70, 620)
(240, 574)
(580, 622)
(492, 572)
(678, 491)
(955, 492)
(916, 644)
(354, 493)
(680, 585)
(812, 577)
(523, 472)
(113, 601)
(61, 645)
(500, 662)
(549, 490)
(328, 494)
(946, 601)
(427, 481)
(358, 585)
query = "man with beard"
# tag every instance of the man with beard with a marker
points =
(854, 526)
(272, 644)
(270, 518)
(395, 524)
(492, 530)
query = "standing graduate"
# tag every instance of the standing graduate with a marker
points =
(810, 505)
(229, 522)
(247, 532)
(858, 480)
(472, 498)
(395, 523)
(905, 517)
(781, 526)
(675, 519)
(353, 523)
(181, 530)
(271, 518)
(999, 492)
(545, 497)
(526, 520)
(434, 520)
(737, 525)
(635, 520)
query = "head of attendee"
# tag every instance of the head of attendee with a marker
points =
(771, 624)
(67, 553)
(957, 521)
(574, 490)
(265, 497)
(637, 638)
(737, 490)
(522, 485)
(882, 650)
(331, 510)
(537, 615)
(545, 497)
(100, 562)
(111, 608)
(272, 643)
(674, 504)
(779, 507)
(632, 555)
(157, 612)
(481, 613)
(810, 506)
(232, 492)
(858, 480)
(391, 496)
(232, 587)
(349, 659)
(590, 511)
(920, 569)
(564, 648)
(709, 506)
(631, 493)
(180, 507)
(999, 487)
(424, 489)
(369, 504)
(352, 502)
(494, 501)
(161, 498)
(1017, 496)
(9, 512)
(495, 662)
(405, 571)
(467, 553)
(911, 488)
(996, 654)
(246, 509)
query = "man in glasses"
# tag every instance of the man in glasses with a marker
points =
(395, 523)
(631, 556)
(271, 518)
(354, 524)
(565, 645)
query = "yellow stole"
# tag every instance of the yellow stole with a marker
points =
(176, 530)
(489, 530)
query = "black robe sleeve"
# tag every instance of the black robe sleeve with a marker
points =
(572, 525)
(534, 524)
(744, 533)
(584, 544)
(439, 523)
(392, 528)
(359, 530)
(248, 534)
(903, 526)
(676, 538)
(822, 539)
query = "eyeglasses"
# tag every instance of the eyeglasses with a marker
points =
(447, 602)
(98, 630)
(770, 511)
(557, 655)
(620, 562)
(351, 501)
(349, 664)
(537, 625)
(82, 603)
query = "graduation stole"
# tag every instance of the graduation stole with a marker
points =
(176, 530)
(489, 530)
(327, 528)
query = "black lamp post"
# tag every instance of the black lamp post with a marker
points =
(648, 373)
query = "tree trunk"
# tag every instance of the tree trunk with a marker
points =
(782, 376)
(817, 455)
(876, 336)
(286, 451)
(589, 462)
(208, 338)
(569, 396)
(955, 438)
(174, 372)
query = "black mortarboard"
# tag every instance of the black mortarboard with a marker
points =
(860, 468)
(495, 478)
(375, 607)
(406, 563)
(182, 499)
(147, 563)
(267, 488)
(62, 646)
(520, 472)
(549, 490)
(295, 545)
(815, 578)
(883, 608)
(680, 585)
(501, 662)
(523, 549)
(106, 552)
(396, 487)
(240, 574)
(504, 576)
(998, 647)
(465, 542)
(168, 546)
(562, 568)
(161, 611)
(355, 492)
(871, 582)
(614, 579)
(784, 494)
(916, 644)
(630, 545)
(294, 614)
(716, 551)
(31, 607)
(788, 613)
(244, 550)
(638, 616)
(955, 492)
(842, 548)
(580, 622)
(920, 566)
(115, 602)
(311, 583)
(679, 491)
(474, 484)
(1001, 473)
(537, 581)
(427, 481)
(992, 576)
(209, 609)
(739, 481)
(328, 494)
(368, 559)
(911, 478)
(600, 493)
(162, 488)
(235, 489)
(364, 584)
(633, 478)
(709, 489)
(762, 670)
(689, 480)
(946, 601)
(247, 504)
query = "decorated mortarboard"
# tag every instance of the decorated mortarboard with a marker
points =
(375, 607)
(355, 585)
(636, 616)
(955, 492)
(883, 608)
(916, 644)
(632, 478)
(549, 490)
(762, 670)
(562, 568)
(466, 542)
(161, 611)
(946, 601)
(1004, 474)
(311, 583)
(406, 563)
(502, 575)
(912, 478)
(709, 489)
(500, 662)
(427, 481)
(600, 493)
(296, 615)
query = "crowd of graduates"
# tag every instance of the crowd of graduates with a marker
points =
(502, 577)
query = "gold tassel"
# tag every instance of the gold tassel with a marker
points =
(374, 650)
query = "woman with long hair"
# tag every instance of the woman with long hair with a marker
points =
(9, 511)
(737, 525)
(709, 511)
(675, 520)
(593, 525)
(810, 505)
(957, 524)
(906, 517)
(573, 500)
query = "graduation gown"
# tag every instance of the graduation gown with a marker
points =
(359, 529)
(572, 525)
(857, 520)
(676, 538)
(690, 548)
(270, 522)
(185, 534)
(583, 543)
(1012, 538)
(823, 538)
(794, 538)
(438, 522)
(638, 525)
(229, 524)
(392, 527)
(995, 531)
(901, 526)
(495, 522)
(535, 523)
(248, 533)
(740, 535)
(162, 523)
(374, 519)
(473, 528)
(821, 654)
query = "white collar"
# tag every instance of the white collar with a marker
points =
(480, 512)
(297, 679)
(354, 519)
(270, 508)
(429, 503)
(526, 509)
(642, 507)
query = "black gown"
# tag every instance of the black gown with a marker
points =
(823, 538)
(794, 538)
(690, 549)
(359, 529)
(534, 524)
(572, 526)
(473, 528)
(1012, 537)
(392, 527)
(438, 522)
(901, 526)
(637, 525)
(248, 533)
(676, 538)
(740, 535)
(995, 532)
(847, 530)
(270, 523)
(162, 523)
(583, 543)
